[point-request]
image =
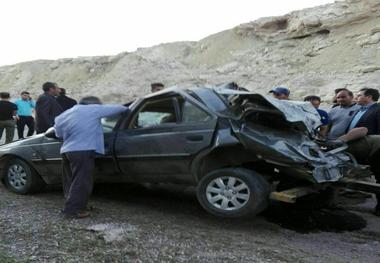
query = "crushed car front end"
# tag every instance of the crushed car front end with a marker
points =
(282, 133)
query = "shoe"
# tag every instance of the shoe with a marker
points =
(79, 215)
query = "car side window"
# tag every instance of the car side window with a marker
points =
(192, 113)
(155, 113)
(109, 123)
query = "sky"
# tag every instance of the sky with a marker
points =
(53, 29)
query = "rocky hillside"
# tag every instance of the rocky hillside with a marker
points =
(312, 51)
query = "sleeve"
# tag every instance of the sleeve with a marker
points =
(33, 104)
(378, 122)
(43, 108)
(102, 111)
(325, 118)
(58, 128)
(14, 106)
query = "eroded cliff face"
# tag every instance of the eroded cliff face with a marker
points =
(311, 51)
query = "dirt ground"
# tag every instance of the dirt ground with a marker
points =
(137, 224)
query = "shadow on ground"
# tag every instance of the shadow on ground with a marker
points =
(182, 200)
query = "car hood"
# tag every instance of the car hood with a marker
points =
(33, 140)
(302, 114)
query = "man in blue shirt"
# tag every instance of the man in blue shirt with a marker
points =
(81, 130)
(316, 102)
(280, 93)
(24, 116)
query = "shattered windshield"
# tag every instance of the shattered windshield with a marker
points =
(292, 111)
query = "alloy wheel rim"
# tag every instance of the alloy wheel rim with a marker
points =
(227, 193)
(17, 176)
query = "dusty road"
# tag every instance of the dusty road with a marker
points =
(135, 224)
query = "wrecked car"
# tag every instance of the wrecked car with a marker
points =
(239, 150)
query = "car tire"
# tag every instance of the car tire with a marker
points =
(233, 192)
(20, 178)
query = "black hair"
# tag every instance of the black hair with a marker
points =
(348, 91)
(25, 93)
(90, 100)
(311, 98)
(157, 85)
(4, 95)
(374, 93)
(336, 91)
(48, 85)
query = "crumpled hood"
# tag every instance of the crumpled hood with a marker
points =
(291, 111)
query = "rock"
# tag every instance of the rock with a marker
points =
(111, 232)
(370, 69)
(370, 40)
(339, 43)
(375, 30)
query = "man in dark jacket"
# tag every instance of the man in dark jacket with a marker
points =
(47, 107)
(7, 117)
(369, 114)
(368, 149)
(65, 101)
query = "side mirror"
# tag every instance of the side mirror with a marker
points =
(50, 133)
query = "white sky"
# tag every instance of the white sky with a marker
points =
(51, 29)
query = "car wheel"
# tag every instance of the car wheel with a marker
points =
(20, 178)
(233, 192)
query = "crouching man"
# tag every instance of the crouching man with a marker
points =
(82, 134)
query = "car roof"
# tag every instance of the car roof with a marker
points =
(208, 96)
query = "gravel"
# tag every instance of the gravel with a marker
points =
(136, 224)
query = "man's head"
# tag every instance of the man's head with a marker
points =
(314, 100)
(336, 91)
(154, 87)
(4, 95)
(25, 95)
(280, 93)
(366, 96)
(51, 88)
(90, 100)
(344, 97)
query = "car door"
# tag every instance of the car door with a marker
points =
(161, 138)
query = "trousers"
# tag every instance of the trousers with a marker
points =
(29, 122)
(367, 151)
(9, 126)
(77, 179)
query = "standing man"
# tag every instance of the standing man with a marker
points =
(81, 130)
(7, 117)
(316, 102)
(25, 107)
(65, 101)
(341, 115)
(47, 107)
(369, 113)
(280, 93)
